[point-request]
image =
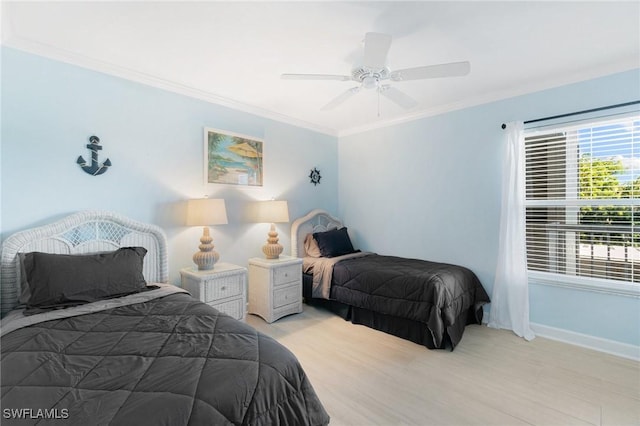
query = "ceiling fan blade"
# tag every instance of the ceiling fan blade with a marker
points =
(453, 69)
(376, 47)
(316, 77)
(397, 96)
(341, 98)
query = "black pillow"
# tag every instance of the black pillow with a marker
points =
(334, 243)
(58, 280)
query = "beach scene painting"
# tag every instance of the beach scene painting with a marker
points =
(231, 158)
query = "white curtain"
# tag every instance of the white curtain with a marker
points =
(510, 297)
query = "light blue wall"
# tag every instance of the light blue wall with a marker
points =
(154, 139)
(430, 189)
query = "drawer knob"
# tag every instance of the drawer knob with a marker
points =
(223, 288)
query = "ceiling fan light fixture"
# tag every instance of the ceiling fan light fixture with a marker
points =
(370, 82)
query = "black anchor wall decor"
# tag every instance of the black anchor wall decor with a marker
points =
(95, 168)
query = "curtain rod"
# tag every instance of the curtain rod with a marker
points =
(504, 126)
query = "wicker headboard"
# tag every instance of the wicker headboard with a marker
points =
(82, 233)
(315, 221)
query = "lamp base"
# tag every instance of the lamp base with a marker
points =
(206, 258)
(272, 249)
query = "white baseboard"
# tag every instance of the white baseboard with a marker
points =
(612, 347)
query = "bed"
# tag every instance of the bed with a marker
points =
(426, 302)
(140, 352)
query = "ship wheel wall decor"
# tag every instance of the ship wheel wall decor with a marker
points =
(315, 176)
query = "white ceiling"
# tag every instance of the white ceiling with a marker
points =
(233, 53)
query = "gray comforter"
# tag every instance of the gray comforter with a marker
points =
(168, 361)
(441, 296)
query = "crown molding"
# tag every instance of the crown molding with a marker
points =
(61, 55)
(42, 49)
(603, 71)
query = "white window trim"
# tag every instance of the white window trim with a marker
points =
(585, 283)
(597, 285)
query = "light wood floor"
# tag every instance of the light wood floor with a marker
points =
(365, 377)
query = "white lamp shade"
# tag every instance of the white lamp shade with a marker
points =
(269, 211)
(206, 211)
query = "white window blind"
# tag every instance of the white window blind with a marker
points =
(582, 199)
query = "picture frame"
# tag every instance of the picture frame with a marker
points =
(232, 158)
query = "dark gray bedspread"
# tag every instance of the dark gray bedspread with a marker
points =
(169, 361)
(435, 294)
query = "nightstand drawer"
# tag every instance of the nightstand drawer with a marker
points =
(233, 308)
(221, 288)
(286, 296)
(287, 274)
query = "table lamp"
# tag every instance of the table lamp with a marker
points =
(271, 212)
(204, 212)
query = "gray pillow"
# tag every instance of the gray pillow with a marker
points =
(58, 280)
(25, 291)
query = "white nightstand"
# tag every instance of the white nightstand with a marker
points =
(223, 287)
(275, 287)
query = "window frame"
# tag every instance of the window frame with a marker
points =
(587, 283)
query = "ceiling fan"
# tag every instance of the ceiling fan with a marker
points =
(374, 71)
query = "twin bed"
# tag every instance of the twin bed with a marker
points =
(92, 334)
(428, 303)
(128, 348)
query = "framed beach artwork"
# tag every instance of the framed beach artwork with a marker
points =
(232, 158)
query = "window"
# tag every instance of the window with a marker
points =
(583, 203)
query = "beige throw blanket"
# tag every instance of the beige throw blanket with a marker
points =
(322, 269)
